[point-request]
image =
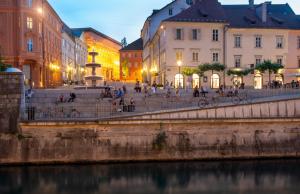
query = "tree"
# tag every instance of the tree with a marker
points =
(240, 73)
(187, 71)
(124, 42)
(268, 66)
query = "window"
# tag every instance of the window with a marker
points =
(298, 42)
(237, 41)
(179, 34)
(170, 11)
(29, 22)
(29, 3)
(279, 41)
(178, 55)
(189, 2)
(237, 61)
(195, 56)
(215, 57)
(258, 60)
(279, 60)
(258, 41)
(29, 45)
(195, 35)
(215, 36)
(215, 81)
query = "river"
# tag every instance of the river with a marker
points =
(237, 177)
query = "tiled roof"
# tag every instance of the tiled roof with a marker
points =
(134, 46)
(78, 31)
(201, 11)
(280, 16)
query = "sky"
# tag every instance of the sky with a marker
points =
(122, 18)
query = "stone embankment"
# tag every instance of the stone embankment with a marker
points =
(151, 140)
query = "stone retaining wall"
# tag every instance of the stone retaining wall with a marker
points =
(141, 140)
(11, 93)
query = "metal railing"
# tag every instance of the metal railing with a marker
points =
(90, 107)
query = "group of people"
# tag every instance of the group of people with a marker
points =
(62, 99)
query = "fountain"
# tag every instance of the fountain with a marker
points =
(93, 81)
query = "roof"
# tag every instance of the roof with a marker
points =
(280, 16)
(78, 32)
(134, 46)
(66, 29)
(201, 11)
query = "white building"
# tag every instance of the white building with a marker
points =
(81, 55)
(152, 24)
(68, 55)
(238, 36)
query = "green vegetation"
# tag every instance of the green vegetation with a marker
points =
(268, 66)
(2, 65)
(240, 73)
(160, 141)
(125, 69)
(211, 67)
(187, 71)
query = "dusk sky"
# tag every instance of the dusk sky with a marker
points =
(122, 18)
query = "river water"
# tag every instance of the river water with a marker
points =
(243, 177)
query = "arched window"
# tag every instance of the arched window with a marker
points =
(196, 80)
(258, 81)
(215, 81)
(178, 81)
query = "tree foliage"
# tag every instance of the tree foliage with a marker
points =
(211, 67)
(187, 71)
(2, 65)
(240, 73)
(269, 66)
(125, 69)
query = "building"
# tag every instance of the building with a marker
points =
(151, 26)
(69, 70)
(81, 55)
(31, 40)
(107, 48)
(131, 61)
(238, 36)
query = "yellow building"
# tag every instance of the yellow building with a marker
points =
(108, 52)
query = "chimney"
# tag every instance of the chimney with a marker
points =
(264, 10)
(251, 3)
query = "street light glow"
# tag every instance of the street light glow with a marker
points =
(40, 10)
(179, 63)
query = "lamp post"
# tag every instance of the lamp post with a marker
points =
(179, 63)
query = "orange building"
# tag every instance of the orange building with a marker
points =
(131, 61)
(30, 39)
(108, 51)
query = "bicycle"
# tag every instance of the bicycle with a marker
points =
(206, 101)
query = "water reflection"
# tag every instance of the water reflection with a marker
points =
(182, 178)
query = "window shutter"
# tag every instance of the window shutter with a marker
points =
(182, 33)
(191, 34)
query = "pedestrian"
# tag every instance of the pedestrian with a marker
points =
(72, 97)
(124, 90)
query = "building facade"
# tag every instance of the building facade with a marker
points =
(108, 51)
(151, 26)
(131, 61)
(238, 36)
(31, 40)
(81, 55)
(69, 70)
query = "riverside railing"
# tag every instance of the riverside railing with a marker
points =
(89, 107)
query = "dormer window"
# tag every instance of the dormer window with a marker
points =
(170, 11)
(189, 2)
